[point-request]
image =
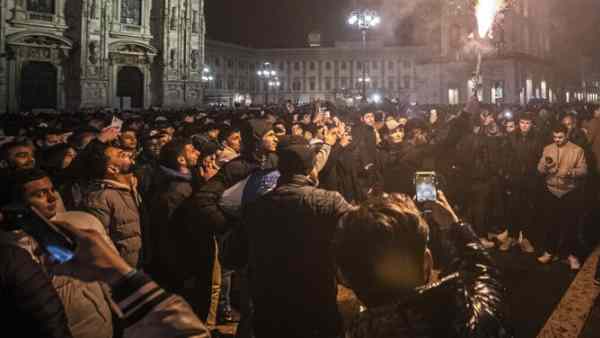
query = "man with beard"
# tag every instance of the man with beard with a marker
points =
(112, 197)
(172, 185)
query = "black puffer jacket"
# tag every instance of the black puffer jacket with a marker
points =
(30, 306)
(292, 274)
(467, 303)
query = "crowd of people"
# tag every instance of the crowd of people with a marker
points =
(284, 203)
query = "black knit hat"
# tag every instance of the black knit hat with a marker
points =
(296, 156)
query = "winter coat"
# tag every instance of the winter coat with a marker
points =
(340, 174)
(29, 303)
(524, 151)
(169, 190)
(292, 273)
(571, 165)
(187, 249)
(117, 206)
(87, 310)
(467, 303)
(482, 157)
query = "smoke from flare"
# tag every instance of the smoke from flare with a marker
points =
(486, 11)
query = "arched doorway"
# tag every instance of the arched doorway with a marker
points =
(130, 84)
(38, 86)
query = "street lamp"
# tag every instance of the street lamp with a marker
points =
(364, 20)
(268, 74)
(207, 77)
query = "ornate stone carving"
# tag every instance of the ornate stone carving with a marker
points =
(131, 49)
(93, 49)
(194, 57)
(173, 58)
(173, 19)
(129, 59)
(93, 10)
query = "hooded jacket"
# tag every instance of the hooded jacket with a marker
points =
(467, 303)
(293, 280)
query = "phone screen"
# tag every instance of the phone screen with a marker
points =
(54, 242)
(425, 184)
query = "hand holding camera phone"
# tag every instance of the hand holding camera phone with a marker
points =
(426, 186)
(55, 243)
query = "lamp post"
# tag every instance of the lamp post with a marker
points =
(364, 20)
(206, 78)
(268, 74)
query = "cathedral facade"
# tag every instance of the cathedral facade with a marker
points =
(126, 54)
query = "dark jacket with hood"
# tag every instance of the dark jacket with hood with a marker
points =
(292, 276)
(467, 303)
(169, 190)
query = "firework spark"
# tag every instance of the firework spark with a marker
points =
(485, 11)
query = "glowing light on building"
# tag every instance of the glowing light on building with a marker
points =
(486, 11)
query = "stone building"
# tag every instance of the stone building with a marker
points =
(69, 55)
(432, 64)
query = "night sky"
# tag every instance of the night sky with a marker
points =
(276, 23)
(287, 23)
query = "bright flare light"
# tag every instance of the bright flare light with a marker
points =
(486, 11)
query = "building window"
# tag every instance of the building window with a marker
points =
(391, 83)
(327, 65)
(282, 86)
(242, 85)
(217, 62)
(230, 83)
(242, 65)
(296, 66)
(344, 66)
(312, 83)
(230, 64)
(406, 63)
(453, 96)
(282, 66)
(344, 82)
(328, 83)
(359, 65)
(375, 64)
(41, 6)
(312, 65)
(407, 82)
(131, 12)
(297, 85)
(219, 83)
(374, 82)
(391, 65)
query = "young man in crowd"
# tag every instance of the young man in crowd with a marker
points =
(88, 312)
(563, 166)
(113, 198)
(281, 226)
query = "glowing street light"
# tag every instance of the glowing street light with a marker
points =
(364, 20)
(207, 74)
(268, 74)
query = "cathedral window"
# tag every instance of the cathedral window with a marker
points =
(131, 12)
(41, 6)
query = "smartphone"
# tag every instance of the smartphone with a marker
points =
(426, 186)
(56, 244)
